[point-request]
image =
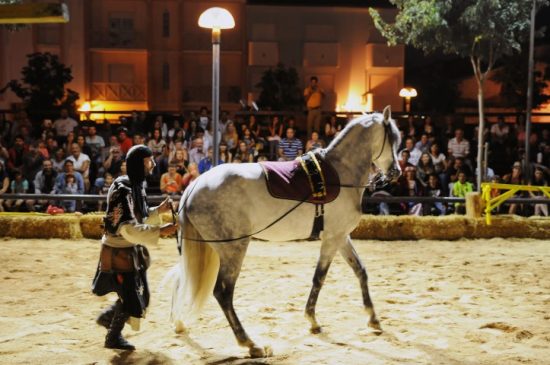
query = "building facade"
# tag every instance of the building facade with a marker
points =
(152, 55)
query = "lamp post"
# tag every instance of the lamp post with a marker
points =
(216, 19)
(408, 93)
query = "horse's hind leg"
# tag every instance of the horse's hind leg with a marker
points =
(231, 258)
(351, 257)
(327, 254)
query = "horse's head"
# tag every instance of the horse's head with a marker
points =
(384, 154)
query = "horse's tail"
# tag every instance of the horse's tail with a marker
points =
(195, 276)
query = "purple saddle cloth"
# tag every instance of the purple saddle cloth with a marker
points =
(288, 180)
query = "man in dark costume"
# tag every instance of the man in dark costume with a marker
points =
(123, 261)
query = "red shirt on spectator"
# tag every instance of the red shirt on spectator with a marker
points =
(125, 143)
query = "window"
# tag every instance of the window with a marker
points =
(166, 24)
(166, 76)
(121, 29)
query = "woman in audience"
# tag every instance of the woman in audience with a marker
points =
(425, 168)
(231, 137)
(243, 153)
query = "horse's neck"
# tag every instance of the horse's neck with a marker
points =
(351, 158)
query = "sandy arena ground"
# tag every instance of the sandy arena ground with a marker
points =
(440, 302)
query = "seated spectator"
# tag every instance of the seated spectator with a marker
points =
(196, 154)
(4, 183)
(156, 144)
(539, 180)
(249, 140)
(68, 169)
(457, 165)
(171, 181)
(231, 137)
(332, 128)
(413, 152)
(440, 165)
(290, 147)
(16, 153)
(181, 159)
(314, 142)
(71, 187)
(32, 163)
(423, 145)
(460, 188)
(19, 185)
(225, 155)
(44, 182)
(58, 160)
(104, 190)
(63, 126)
(410, 185)
(81, 162)
(403, 161)
(113, 162)
(243, 153)
(458, 147)
(43, 149)
(434, 190)
(207, 163)
(124, 140)
(190, 176)
(425, 168)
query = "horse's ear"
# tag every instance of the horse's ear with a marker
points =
(387, 114)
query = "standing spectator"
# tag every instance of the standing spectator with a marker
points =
(44, 181)
(539, 180)
(314, 142)
(460, 188)
(515, 177)
(63, 126)
(313, 95)
(196, 154)
(4, 183)
(19, 185)
(170, 182)
(81, 162)
(290, 147)
(274, 137)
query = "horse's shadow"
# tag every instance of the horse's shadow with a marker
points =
(140, 357)
(215, 359)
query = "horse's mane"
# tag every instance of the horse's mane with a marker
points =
(370, 119)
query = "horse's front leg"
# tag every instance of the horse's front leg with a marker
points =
(328, 250)
(350, 255)
(231, 259)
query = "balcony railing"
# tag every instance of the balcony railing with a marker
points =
(111, 91)
(125, 40)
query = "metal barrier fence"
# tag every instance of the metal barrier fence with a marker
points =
(159, 198)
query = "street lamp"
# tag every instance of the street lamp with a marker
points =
(216, 19)
(408, 93)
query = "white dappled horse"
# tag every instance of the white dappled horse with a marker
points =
(222, 209)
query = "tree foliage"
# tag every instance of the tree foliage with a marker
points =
(42, 87)
(514, 84)
(279, 89)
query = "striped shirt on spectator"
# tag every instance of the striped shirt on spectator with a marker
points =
(291, 148)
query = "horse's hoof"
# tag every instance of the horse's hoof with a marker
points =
(179, 327)
(256, 351)
(315, 330)
(375, 325)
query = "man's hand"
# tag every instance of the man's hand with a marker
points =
(165, 206)
(168, 229)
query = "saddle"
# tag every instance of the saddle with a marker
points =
(308, 178)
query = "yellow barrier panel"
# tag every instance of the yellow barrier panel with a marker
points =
(491, 203)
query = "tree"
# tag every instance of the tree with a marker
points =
(514, 84)
(42, 87)
(481, 30)
(279, 89)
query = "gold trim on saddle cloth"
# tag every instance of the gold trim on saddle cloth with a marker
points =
(318, 188)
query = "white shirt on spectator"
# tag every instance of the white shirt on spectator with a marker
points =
(64, 126)
(77, 162)
(459, 149)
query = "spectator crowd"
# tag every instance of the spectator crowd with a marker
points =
(69, 157)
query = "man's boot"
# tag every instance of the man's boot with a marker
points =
(106, 317)
(114, 339)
